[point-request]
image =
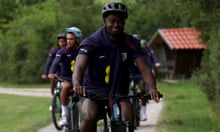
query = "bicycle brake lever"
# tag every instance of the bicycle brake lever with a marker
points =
(148, 96)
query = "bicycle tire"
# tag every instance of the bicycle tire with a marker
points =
(136, 108)
(74, 117)
(56, 111)
(135, 105)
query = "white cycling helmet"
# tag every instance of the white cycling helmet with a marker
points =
(114, 7)
(76, 31)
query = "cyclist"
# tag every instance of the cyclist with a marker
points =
(150, 55)
(136, 75)
(61, 42)
(66, 56)
(102, 65)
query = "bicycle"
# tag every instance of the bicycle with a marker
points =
(73, 109)
(115, 124)
(74, 116)
(135, 102)
(56, 104)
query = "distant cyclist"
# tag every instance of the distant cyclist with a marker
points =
(66, 58)
(136, 74)
(150, 55)
(61, 42)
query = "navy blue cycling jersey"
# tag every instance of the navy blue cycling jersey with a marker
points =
(65, 58)
(108, 68)
(50, 58)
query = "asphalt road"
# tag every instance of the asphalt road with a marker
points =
(153, 109)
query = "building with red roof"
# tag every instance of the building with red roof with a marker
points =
(179, 51)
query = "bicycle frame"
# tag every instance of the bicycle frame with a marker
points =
(73, 109)
(57, 89)
(74, 117)
(116, 122)
(135, 103)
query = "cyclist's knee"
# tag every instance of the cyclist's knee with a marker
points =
(66, 85)
(90, 110)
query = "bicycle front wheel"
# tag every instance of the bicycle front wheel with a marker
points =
(56, 111)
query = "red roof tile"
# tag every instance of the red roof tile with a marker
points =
(181, 38)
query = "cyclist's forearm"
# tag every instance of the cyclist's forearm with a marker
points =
(80, 67)
(149, 79)
(77, 78)
(146, 73)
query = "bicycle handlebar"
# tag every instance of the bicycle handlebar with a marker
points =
(62, 79)
(100, 96)
(59, 78)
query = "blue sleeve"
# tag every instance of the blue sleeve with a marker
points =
(150, 53)
(55, 66)
(49, 61)
(154, 57)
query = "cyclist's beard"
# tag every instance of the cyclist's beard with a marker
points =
(115, 35)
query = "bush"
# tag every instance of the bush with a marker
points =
(210, 72)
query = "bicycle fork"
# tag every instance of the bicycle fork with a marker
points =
(116, 123)
(73, 122)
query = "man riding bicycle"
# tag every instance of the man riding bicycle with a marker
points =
(102, 65)
(66, 58)
(61, 42)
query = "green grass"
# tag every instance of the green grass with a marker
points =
(186, 109)
(23, 114)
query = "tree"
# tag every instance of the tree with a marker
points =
(7, 12)
(208, 22)
(26, 39)
(30, 37)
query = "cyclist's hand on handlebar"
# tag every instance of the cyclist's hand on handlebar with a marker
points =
(155, 95)
(43, 76)
(79, 90)
(52, 76)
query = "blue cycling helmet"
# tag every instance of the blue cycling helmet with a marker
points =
(76, 31)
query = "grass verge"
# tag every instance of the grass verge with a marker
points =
(23, 114)
(186, 109)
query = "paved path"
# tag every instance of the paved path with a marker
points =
(153, 109)
(37, 92)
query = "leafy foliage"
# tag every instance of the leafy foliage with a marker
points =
(30, 37)
(210, 72)
(7, 9)
(25, 39)
(208, 23)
